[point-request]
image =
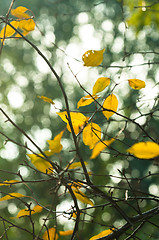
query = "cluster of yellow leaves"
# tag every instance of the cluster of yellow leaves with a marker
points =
(145, 150)
(24, 22)
(102, 234)
(100, 84)
(51, 234)
(23, 212)
(92, 138)
(38, 159)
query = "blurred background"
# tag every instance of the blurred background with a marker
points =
(66, 29)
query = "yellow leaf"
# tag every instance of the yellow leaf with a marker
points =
(11, 196)
(100, 146)
(74, 214)
(111, 103)
(100, 84)
(91, 134)
(78, 120)
(86, 100)
(8, 183)
(8, 31)
(66, 233)
(93, 58)
(136, 84)
(24, 34)
(76, 185)
(40, 163)
(22, 213)
(145, 150)
(27, 25)
(27, 212)
(102, 234)
(50, 234)
(76, 165)
(82, 197)
(54, 145)
(19, 12)
(46, 99)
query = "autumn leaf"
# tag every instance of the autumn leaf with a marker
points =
(54, 145)
(78, 120)
(145, 150)
(102, 234)
(50, 234)
(100, 84)
(86, 100)
(8, 31)
(11, 196)
(46, 99)
(82, 197)
(93, 58)
(66, 233)
(27, 25)
(8, 183)
(27, 212)
(41, 164)
(74, 215)
(19, 12)
(136, 84)
(100, 146)
(76, 165)
(111, 103)
(76, 185)
(91, 134)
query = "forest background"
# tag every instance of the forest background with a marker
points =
(65, 30)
